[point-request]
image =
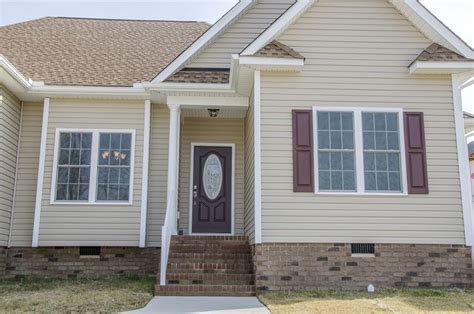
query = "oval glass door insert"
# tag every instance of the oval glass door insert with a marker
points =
(212, 176)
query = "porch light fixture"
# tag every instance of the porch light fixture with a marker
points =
(213, 112)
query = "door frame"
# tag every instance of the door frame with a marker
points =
(232, 188)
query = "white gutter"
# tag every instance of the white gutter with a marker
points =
(427, 67)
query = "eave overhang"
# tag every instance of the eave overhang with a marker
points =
(426, 67)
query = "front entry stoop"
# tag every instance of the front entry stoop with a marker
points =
(209, 266)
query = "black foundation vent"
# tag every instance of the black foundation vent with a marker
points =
(363, 248)
(89, 251)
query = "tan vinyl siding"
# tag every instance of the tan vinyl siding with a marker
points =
(30, 139)
(357, 54)
(241, 34)
(207, 130)
(83, 224)
(249, 169)
(158, 174)
(10, 110)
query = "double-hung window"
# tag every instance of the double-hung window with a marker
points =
(359, 151)
(93, 166)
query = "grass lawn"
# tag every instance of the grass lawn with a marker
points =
(388, 301)
(75, 295)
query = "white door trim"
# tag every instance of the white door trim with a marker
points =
(191, 179)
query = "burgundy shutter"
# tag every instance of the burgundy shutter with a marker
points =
(302, 151)
(415, 153)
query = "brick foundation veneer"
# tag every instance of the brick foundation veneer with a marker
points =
(65, 262)
(296, 266)
(3, 260)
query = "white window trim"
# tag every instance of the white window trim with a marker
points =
(359, 150)
(94, 163)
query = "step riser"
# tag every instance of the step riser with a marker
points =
(210, 282)
(198, 266)
(205, 294)
(212, 256)
(174, 261)
(210, 249)
(205, 290)
(223, 277)
(210, 271)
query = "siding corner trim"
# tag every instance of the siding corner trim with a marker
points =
(257, 159)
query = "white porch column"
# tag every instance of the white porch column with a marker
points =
(173, 150)
(463, 159)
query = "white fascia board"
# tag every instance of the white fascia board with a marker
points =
(189, 87)
(427, 67)
(54, 90)
(207, 37)
(279, 26)
(272, 64)
(207, 102)
(442, 30)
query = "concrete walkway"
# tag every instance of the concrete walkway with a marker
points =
(225, 305)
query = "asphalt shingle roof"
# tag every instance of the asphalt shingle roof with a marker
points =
(276, 49)
(438, 53)
(197, 75)
(103, 52)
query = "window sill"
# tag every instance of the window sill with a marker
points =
(360, 194)
(92, 203)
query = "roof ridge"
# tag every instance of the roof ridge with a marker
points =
(122, 19)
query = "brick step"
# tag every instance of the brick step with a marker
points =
(207, 290)
(198, 267)
(202, 238)
(229, 261)
(210, 248)
(210, 256)
(210, 279)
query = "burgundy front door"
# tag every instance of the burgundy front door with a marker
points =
(212, 190)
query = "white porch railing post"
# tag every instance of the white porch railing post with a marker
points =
(170, 226)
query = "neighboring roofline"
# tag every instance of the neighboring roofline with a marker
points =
(203, 40)
(437, 67)
(278, 26)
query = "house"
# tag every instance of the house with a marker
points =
(294, 144)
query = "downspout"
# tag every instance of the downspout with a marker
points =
(16, 174)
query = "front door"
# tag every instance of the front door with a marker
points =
(212, 190)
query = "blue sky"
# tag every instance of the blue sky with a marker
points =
(457, 14)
